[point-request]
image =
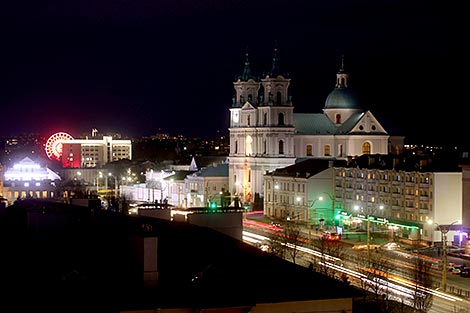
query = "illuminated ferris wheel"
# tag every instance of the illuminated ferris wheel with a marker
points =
(54, 145)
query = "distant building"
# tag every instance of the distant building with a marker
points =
(28, 179)
(207, 186)
(87, 153)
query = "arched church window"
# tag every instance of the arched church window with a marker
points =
(366, 148)
(248, 145)
(279, 98)
(326, 150)
(281, 147)
(338, 119)
(281, 119)
(265, 119)
(248, 120)
(309, 150)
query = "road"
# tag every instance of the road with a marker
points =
(402, 262)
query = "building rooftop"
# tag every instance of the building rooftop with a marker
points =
(96, 263)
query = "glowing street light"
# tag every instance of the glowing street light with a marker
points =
(311, 207)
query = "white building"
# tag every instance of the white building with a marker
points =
(403, 203)
(29, 179)
(208, 185)
(266, 134)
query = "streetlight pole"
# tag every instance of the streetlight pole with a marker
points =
(444, 229)
(368, 216)
(312, 207)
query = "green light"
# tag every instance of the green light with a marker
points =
(213, 205)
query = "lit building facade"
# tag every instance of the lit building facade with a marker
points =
(28, 179)
(266, 134)
(85, 153)
(404, 205)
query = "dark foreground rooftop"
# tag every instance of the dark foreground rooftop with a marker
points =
(71, 259)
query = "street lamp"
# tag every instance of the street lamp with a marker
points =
(444, 229)
(100, 175)
(311, 205)
(368, 216)
(116, 194)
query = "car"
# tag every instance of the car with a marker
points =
(331, 236)
(465, 272)
(391, 246)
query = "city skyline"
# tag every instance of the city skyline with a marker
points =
(143, 68)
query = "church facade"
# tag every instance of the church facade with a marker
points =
(266, 133)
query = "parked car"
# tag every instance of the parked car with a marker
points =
(391, 246)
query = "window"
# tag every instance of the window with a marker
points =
(265, 119)
(281, 147)
(248, 120)
(366, 148)
(338, 119)
(278, 98)
(326, 150)
(248, 146)
(281, 119)
(309, 150)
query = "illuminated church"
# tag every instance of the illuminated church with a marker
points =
(266, 133)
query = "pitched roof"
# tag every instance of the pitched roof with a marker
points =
(217, 170)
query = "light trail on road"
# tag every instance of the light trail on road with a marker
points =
(398, 285)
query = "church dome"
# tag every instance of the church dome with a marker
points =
(342, 98)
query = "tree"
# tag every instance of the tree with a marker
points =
(285, 240)
(375, 282)
(329, 250)
(292, 237)
(422, 300)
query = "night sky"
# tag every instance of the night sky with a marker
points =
(141, 67)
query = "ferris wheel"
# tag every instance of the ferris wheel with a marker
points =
(54, 145)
